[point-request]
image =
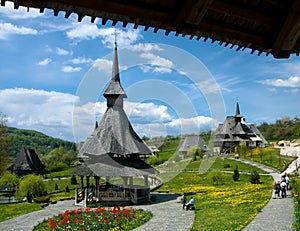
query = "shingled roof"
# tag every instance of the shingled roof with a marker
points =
(114, 135)
(235, 129)
(192, 140)
(106, 166)
(27, 161)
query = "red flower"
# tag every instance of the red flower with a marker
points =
(53, 224)
(63, 222)
(99, 210)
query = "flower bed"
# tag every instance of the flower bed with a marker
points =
(97, 219)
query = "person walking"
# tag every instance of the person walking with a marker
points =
(287, 181)
(283, 189)
(277, 189)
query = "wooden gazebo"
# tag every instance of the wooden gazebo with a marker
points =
(27, 162)
(114, 150)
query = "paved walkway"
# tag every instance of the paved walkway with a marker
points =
(177, 219)
(278, 214)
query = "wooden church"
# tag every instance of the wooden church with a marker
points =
(114, 155)
(234, 132)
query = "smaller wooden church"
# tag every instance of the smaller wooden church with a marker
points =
(114, 155)
(27, 162)
(235, 131)
(191, 141)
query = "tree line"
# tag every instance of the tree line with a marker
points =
(283, 129)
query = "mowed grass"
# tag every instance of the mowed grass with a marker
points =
(221, 203)
(270, 157)
(9, 211)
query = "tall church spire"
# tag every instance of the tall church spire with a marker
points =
(114, 92)
(238, 116)
(237, 109)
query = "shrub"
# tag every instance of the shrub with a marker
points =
(216, 177)
(195, 151)
(254, 177)
(236, 174)
(56, 187)
(9, 178)
(226, 165)
(154, 160)
(73, 180)
(67, 189)
(32, 184)
(42, 199)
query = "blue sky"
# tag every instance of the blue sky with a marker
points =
(54, 70)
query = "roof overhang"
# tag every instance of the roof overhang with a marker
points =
(270, 27)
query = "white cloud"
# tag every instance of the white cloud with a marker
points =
(209, 86)
(68, 69)
(54, 113)
(81, 60)
(83, 31)
(158, 63)
(62, 52)
(46, 111)
(7, 29)
(146, 112)
(106, 65)
(87, 31)
(193, 125)
(125, 38)
(291, 82)
(145, 47)
(45, 62)
(103, 65)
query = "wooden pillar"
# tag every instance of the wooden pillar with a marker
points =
(146, 180)
(82, 185)
(87, 181)
(97, 179)
(130, 182)
(107, 180)
(125, 180)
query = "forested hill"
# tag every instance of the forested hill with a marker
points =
(38, 141)
(283, 129)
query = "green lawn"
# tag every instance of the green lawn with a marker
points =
(270, 157)
(9, 211)
(221, 203)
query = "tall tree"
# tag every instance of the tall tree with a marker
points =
(4, 144)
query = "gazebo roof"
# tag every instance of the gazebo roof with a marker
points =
(27, 161)
(107, 166)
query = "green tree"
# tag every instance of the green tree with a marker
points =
(9, 178)
(4, 144)
(154, 160)
(254, 177)
(236, 174)
(195, 151)
(32, 184)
